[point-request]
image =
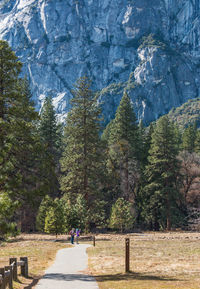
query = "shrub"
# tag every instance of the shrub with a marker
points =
(54, 221)
(45, 205)
(7, 209)
(121, 215)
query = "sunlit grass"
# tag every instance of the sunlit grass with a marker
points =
(157, 261)
(39, 249)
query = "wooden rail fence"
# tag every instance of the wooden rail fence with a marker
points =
(9, 273)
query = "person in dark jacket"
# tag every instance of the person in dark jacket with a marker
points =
(72, 233)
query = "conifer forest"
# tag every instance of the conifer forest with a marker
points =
(122, 176)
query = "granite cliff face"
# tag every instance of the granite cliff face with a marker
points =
(151, 48)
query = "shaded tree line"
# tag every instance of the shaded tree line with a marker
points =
(126, 175)
(81, 174)
(28, 168)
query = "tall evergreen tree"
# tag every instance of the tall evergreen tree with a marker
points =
(51, 135)
(76, 215)
(26, 145)
(20, 150)
(10, 68)
(50, 129)
(142, 135)
(17, 117)
(81, 160)
(144, 143)
(148, 140)
(189, 138)
(197, 142)
(145, 137)
(123, 147)
(162, 172)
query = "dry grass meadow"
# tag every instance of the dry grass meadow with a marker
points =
(158, 261)
(40, 250)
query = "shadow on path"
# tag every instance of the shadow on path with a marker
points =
(69, 277)
(103, 278)
(132, 276)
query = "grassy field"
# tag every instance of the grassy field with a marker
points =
(40, 250)
(158, 261)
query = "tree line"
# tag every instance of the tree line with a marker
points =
(82, 174)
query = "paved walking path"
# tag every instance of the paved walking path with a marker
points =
(66, 272)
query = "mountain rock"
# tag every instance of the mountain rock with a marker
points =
(150, 48)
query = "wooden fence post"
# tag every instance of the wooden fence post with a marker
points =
(2, 284)
(14, 271)
(94, 241)
(24, 268)
(127, 255)
(10, 278)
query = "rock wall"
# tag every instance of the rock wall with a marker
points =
(60, 40)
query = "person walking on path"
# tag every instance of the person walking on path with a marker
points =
(72, 233)
(77, 235)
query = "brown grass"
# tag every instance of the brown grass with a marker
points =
(158, 261)
(40, 250)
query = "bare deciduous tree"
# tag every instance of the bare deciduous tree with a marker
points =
(190, 172)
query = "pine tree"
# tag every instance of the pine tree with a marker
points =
(197, 142)
(51, 135)
(189, 138)
(20, 175)
(49, 128)
(10, 68)
(81, 161)
(54, 221)
(123, 147)
(121, 215)
(76, 214)
(107, 131)
(26, 145)
(81, 212)
(17, 117)
(142, 135)
(145, 138)
(7, 208)
(147, 143)
(44, 207)
(162, 173)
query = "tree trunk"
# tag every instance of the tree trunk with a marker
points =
(85, 184)
(126, 193)
(156, 223)
(168, 213)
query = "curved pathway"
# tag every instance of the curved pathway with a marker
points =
(66, 272)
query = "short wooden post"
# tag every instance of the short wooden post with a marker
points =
(127, 255)
(14, 269)
(94, 241)
(3, 283)
(24, 268)
(10, 278)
